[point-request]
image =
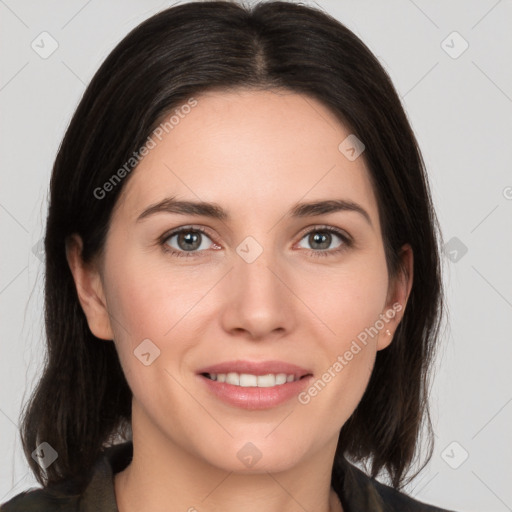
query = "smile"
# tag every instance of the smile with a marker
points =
(247, 380)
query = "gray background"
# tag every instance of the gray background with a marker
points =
(460, 106)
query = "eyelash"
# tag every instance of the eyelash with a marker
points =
(347, 241)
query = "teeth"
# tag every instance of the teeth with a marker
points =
(266, 381)
(233, 378)
(247, 380)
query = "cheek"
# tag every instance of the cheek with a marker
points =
(349, 303)
(348, 299)
(146, 300)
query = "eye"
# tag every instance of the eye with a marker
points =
(189, 241)
(186, 241)
(321, 238)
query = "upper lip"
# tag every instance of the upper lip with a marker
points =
(256, 368)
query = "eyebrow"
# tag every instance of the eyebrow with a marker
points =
(215, 211)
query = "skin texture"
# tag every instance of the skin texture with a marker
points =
(256, 154)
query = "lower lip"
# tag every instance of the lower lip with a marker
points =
(254, 397)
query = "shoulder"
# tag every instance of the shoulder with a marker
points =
(99, 493)
(41, 500)
(398, 501)
(358, 491)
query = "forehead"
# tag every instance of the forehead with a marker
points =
(250, 150)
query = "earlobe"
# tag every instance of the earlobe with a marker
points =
(398, 295)
(89, 289)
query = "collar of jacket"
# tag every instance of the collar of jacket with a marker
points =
(357, 492)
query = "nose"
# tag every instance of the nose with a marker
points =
(259, 301)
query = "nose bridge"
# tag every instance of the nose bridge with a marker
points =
(258, 301)
(253, 268)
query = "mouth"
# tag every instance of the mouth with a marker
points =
(248, 380)
(255, 385)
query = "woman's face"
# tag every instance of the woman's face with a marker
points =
(263, 288)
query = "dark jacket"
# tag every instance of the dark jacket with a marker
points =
(357, 492)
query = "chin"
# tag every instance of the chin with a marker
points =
(254, 456)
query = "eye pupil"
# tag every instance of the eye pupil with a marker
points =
(321, 238)
(191, 240)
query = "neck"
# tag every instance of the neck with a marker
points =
(164, 476)
(228, 494)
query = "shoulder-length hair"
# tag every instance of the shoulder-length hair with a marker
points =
(82, 402)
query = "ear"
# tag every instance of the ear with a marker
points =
(398, 294)
(89, 289)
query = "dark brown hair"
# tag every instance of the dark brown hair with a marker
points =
(82, 401)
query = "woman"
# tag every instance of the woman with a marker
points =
(243, 286)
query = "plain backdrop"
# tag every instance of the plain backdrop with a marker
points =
(451, 64)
